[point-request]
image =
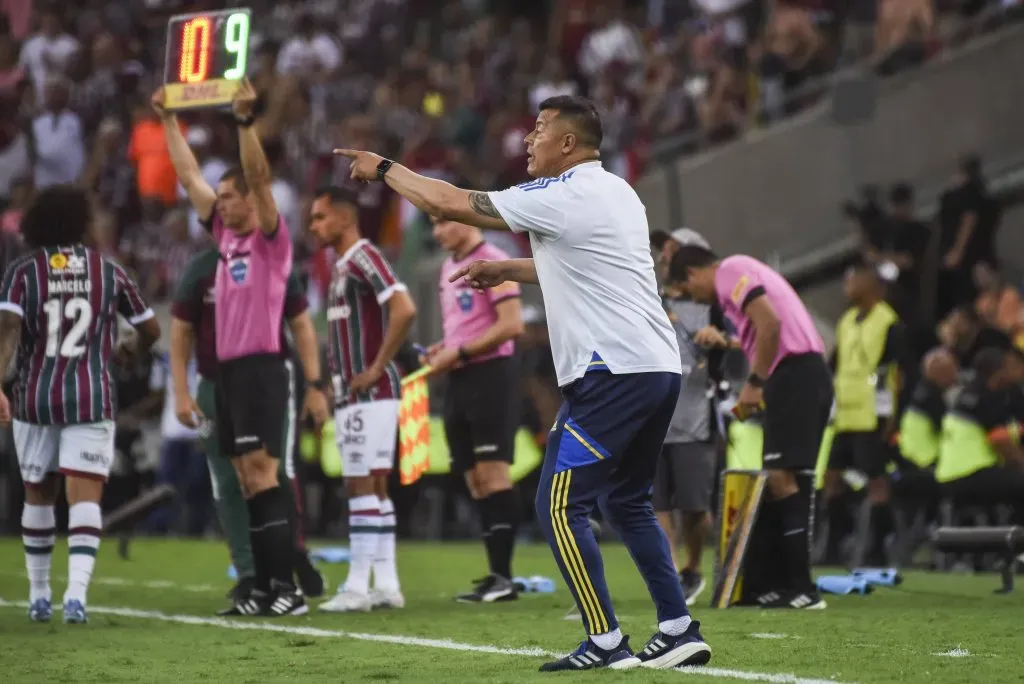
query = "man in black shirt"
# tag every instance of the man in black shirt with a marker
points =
(968, 218)
(965, 334)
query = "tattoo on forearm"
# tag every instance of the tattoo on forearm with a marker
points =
(483, 205)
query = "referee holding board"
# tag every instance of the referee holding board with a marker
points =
(481, 406)
(252, 385)
(616, 358)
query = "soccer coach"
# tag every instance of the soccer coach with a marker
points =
(252, 387)
(615, 354)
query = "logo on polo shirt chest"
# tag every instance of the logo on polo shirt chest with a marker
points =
(238, 268)
(464, 298)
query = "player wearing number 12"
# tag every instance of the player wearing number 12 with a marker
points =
(61, 301)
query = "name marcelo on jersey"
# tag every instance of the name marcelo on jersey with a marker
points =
(69, 286)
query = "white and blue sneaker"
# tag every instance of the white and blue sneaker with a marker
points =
(74, 613)
(40, 610)
(590, 656)
(664, 651)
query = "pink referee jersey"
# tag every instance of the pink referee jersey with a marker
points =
(466, 312)
(249, 289)
(739, 280)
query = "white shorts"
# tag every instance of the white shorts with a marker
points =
(366, 435)
(83, 450)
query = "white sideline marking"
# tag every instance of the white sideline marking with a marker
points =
(768, 635)
(149, 584)
(954, 653)
(448, 644)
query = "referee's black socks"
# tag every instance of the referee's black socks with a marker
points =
(270, 532)
(795, 518)
(500, 514)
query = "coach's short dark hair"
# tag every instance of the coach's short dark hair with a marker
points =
(336, 194)
(582, 116)
(59, 215)
(687, 257)
(236, 176)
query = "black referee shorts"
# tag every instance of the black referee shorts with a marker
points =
(252, 399)
(797, 400)
(481, 412)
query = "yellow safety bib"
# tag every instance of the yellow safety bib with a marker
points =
(860, 345)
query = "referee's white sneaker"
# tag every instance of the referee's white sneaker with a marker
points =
(347, 602)
(382, 599)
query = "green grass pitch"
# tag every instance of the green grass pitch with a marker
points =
(151, 621)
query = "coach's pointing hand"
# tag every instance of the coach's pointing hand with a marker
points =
(364, 164)
(481, 274)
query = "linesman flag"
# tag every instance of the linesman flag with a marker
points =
(414, 427)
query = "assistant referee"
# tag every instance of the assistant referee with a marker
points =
(481, 404)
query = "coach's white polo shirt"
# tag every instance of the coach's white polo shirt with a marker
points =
(592, 251)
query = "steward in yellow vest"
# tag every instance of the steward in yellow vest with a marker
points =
(871, 360)
(980, 458)
(921, 429)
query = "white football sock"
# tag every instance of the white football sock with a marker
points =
(385, 571)
(364, 532)
(85, 522)
(38, 534)
(675, 627)
(608, 640)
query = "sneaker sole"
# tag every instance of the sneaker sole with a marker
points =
(625, 664)
(689, 654)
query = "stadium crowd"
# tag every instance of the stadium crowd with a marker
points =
(450, 89)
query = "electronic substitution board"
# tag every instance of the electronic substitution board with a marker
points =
(207, 56)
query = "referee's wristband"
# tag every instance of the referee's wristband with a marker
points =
(318, 384)
(245, 121)
(464, 355)
(755, 380)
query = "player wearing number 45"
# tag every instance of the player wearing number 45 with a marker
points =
(61, 302)
(369, 314)
(616, 356)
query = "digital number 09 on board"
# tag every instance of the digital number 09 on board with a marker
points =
(207, 55)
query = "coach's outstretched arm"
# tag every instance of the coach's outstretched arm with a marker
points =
(435, 197)
(486, 274)
(255, 166)
(200, 194)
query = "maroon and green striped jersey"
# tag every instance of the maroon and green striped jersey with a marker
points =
(68, 299)
(361, 284)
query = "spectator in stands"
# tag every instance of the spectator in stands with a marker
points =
(21, 197)
(15, 159)
(792, 45)
(998, 303)
(611, 39)
(155, 178)
(103, 90)
(111, 176)
(554, 80)
(47, 53)
(13, 76)
(58, 140)
(968, 219)
(904, 29)
(311, 52)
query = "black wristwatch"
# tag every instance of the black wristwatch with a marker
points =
(755, 380)
(319, 384)
(383, 168)
(464, 356)
(245, 121)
